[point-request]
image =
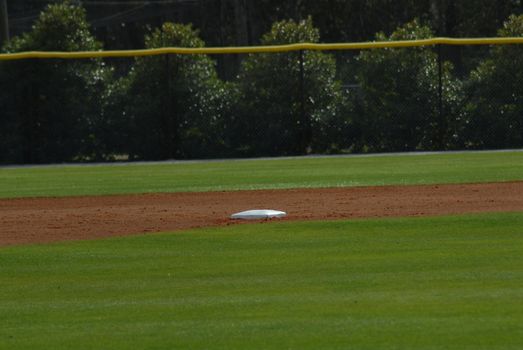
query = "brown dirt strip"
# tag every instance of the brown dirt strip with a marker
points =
(40, 220)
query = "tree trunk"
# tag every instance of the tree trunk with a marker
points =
(436, 9)
(241, 22)
(4, 24)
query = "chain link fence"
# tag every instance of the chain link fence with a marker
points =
(189, 106)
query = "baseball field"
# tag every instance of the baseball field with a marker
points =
(377, 252)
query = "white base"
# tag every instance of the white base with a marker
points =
(259, 214)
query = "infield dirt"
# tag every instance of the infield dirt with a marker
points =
(41, 220)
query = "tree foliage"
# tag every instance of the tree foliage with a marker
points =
(283, 102)
(399, 110)
(176, 101)
(495, 110)
(176, 106)
(50, 109)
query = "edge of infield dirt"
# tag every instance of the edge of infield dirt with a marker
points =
(43, 220)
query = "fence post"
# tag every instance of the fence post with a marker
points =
(30, 131)
(4, 23)
(169, 131)
(441, 115)
(305, 127)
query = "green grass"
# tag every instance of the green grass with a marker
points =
(261, 174)
(430, 283)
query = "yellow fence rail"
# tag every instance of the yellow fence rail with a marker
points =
(262, 49)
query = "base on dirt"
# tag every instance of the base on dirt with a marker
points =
(259, 214)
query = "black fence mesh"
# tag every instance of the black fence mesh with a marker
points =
(271, 104)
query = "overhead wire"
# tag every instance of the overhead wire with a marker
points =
(138, 5)
(120, 15)
(123, 3)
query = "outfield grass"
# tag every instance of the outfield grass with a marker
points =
(427, 283)
(261, 174)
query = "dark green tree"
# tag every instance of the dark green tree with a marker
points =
(400, 106)
(176, 101)
(495, 110)
(50, 108)
(285, 105)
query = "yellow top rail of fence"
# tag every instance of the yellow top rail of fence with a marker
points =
(262, 49)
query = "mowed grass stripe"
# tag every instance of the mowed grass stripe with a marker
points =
(262, 174)
(426, 283)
